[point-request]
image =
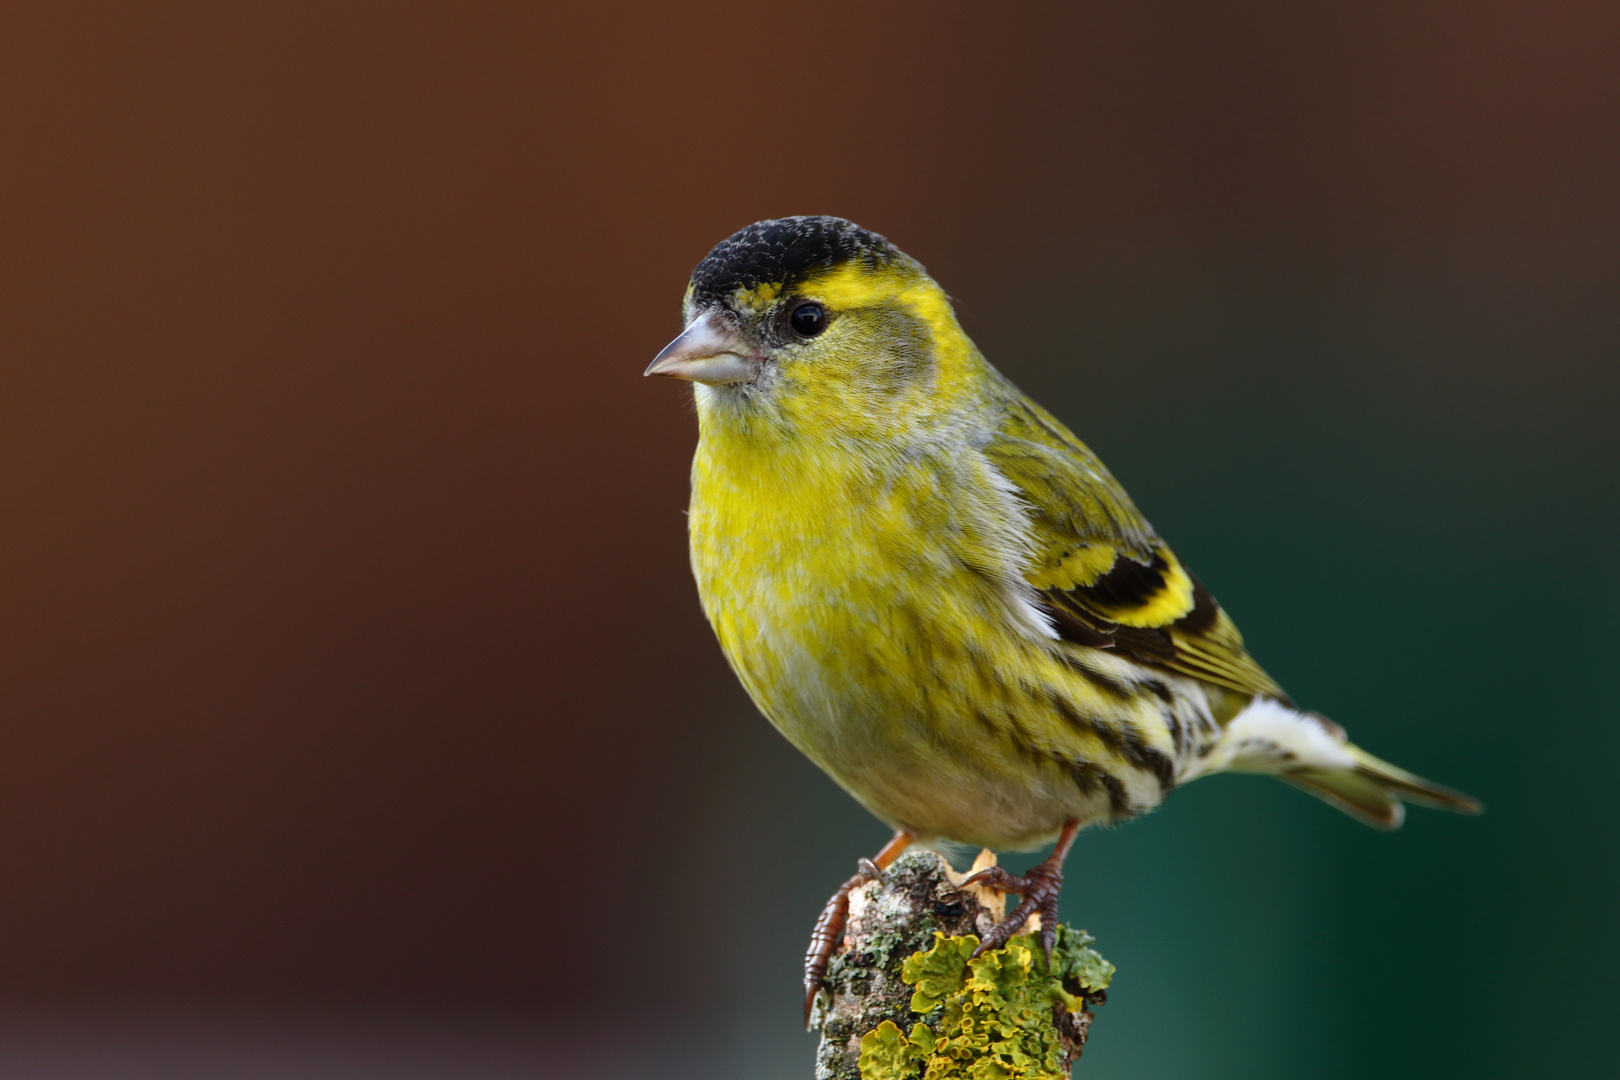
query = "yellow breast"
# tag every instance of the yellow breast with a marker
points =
(876, 614)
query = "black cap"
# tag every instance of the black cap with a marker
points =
(783, 251)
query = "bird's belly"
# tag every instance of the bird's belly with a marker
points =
(906, 669)
(940, 719)
(902, 731)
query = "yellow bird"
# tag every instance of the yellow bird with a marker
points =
(939, 594)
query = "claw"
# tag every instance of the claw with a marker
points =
(824, 938)
(1039, 892)
(829, 928)
(1039, 889)
(995, 877)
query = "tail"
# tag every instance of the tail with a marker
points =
(1373, 790)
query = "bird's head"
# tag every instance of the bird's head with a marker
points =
(813, 323)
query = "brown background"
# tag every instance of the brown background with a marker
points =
(349, 665)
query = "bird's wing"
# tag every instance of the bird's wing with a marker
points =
(1104, 574)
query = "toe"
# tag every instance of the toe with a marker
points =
(994, 877)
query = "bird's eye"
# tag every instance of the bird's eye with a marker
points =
(808, 320)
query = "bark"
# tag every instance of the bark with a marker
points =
(881, 1018)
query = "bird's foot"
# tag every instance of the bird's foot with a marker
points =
(1039, 889)
(829, 927)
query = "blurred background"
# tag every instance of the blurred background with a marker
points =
(357, 716)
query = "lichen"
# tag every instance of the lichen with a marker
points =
(880, 947)
(993, 1018)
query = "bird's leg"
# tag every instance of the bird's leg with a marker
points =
(830, 926)
(1039, 889)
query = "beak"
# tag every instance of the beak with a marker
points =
(706, 352)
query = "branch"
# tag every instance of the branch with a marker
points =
(903, 999)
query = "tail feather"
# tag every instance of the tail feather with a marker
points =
(1361, 797)
(1310, 751)
(1412, 788)
(1373, 791)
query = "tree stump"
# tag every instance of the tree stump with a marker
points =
(903, 1000)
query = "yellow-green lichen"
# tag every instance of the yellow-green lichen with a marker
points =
(986, 1019)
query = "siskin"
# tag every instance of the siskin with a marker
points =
(939, 594)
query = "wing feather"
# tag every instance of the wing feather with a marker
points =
(1101, 570)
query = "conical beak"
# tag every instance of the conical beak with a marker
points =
(706, 352)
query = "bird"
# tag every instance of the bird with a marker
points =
(940, 595)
